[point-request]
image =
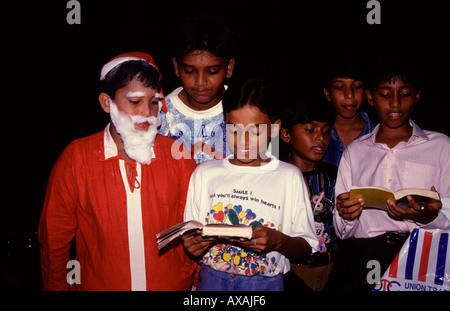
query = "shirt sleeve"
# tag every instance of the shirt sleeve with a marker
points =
(163, 128)
(192, 209)
(58, 223)
(343, 228)
(303, 220)
(443, 187)
(187, 168)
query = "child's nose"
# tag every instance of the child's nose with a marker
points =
(348, 92)
(200, 80)
(148, 109)
(396, 101)
(243, 138)
(319, 136)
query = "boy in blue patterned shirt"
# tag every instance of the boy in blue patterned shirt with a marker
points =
(345, 90)
(204, 59)
(306, 128)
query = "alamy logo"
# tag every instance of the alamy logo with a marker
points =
(74, 15)
(374, 275)
(374, 15)
(74, 275)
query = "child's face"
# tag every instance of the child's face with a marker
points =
(393, 102)
(248, 134)
(346, 95)
(309, 141)
(203, 76)
(134, 99)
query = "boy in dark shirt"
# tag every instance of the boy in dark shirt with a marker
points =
(345, 90)
(306, 128)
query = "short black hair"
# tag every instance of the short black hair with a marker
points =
(205, 33)
(389, 69)
(340, 65)
(122, 74)
(256, 92)
(306, 111)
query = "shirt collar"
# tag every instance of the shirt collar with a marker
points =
(366, 130)
(417, 133)
(110, 147)
(369, 125)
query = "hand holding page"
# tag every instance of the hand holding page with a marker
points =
(376, 197)
(218, 230)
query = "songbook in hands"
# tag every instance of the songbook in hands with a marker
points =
(222, 231)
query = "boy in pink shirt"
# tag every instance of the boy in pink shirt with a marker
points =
(397, 154)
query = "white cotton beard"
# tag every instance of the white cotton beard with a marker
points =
(137, 143)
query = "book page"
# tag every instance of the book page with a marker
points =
(165, 237)
(417, 193)
(224, 230)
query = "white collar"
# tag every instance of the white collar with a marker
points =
(110, 146)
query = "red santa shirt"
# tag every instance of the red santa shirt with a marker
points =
(114, 224)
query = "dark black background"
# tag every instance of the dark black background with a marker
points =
(50, 71)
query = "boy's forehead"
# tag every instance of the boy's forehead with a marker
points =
(202, 58)
(234, 117)
(136, 88)
(343, 79)
(393, 82)
(136, 94)
(315, 123)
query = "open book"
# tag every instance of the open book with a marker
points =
(376, 197)
(219, 230)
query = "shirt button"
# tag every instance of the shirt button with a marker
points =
(390, 181)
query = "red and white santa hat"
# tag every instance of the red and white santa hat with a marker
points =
(136, 55)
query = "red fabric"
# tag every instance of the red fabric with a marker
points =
(86, 199)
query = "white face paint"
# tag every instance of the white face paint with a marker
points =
(135, 94)
(137, 143)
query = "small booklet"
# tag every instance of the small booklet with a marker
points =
(376, 197)
(218, 230)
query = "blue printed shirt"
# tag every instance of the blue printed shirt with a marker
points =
(203, 133)
(336, 146)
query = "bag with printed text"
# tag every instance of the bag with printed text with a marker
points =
(421, 265)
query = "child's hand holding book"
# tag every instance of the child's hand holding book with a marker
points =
(196, 244)
(263, 240)
(349, 209)
(420, 206)
(420, 211)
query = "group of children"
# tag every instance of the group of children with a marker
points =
(307, 232)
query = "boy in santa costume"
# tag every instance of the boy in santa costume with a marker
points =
(114, 190)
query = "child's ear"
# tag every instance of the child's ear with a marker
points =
(104, 98)
(369, 97)
(230, 68)
(175, 66)
(285, 136)
(418, 96)
(327, 94)
(275, 128)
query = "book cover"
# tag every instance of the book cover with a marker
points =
(376, 197)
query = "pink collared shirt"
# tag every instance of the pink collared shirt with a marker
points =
(421, 162)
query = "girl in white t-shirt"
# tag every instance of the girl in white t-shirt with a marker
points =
(254, 188)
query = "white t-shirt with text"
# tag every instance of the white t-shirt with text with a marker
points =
(273, 195)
